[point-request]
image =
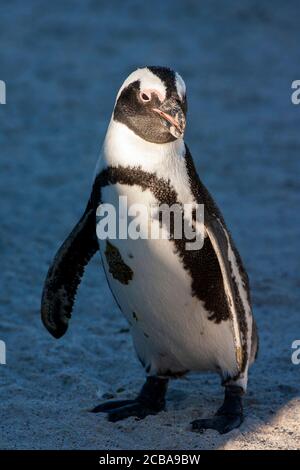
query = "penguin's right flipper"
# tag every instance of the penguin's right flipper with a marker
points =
(66, 270)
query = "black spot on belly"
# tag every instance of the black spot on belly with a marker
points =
(135, 316)
(117, 267)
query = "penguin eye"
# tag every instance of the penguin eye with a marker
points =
(145, 97)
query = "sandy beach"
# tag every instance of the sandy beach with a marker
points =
(63, 65)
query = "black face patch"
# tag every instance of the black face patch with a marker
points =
(117, 267)
(139, 116)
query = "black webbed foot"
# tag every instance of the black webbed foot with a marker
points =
(222, 424)
(125, 410)
(228, 417)
(150, 401)
(111, 405)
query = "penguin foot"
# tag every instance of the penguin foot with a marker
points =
(111, 405)
(151, 400)
(118, 410)
(222, 424)
(228, 417)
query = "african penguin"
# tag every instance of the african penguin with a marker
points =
(188, 310)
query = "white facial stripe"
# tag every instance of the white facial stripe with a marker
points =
(180, 85)
(147, 80)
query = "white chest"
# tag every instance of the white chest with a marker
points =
(170, 327)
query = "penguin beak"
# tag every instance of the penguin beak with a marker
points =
(172, 116)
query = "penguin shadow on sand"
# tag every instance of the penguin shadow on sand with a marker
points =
(271, 404)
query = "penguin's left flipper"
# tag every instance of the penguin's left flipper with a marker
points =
(228, 417)
(66, 270)
(222, 245)
(150, 401)
(232, 270)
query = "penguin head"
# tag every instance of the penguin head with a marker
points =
(152, 103)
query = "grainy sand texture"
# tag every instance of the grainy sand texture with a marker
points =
(63, 63)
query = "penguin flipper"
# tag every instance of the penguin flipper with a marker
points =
(66, 270)
(231, 268)
(221, 243)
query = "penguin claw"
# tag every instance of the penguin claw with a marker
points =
(136, 409)
(119, 410)
(110, 405)
(222, 423)
(150, 401)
